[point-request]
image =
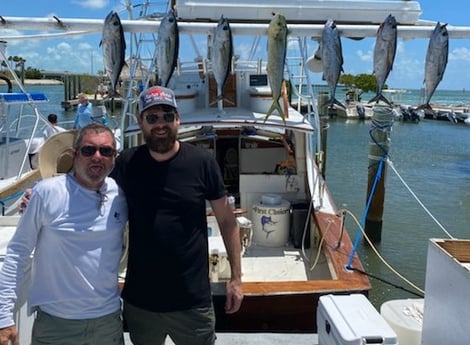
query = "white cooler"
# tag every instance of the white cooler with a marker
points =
(351, 320)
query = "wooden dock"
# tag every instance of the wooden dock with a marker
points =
(110, 103)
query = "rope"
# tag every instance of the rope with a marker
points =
(380, 124)
(364, 214)
(387, 282)
(381, 121)
(390, 164)
(384, 262)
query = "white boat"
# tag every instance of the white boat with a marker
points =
(272, 167)
(21, 127)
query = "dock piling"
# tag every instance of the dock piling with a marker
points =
(379, 145)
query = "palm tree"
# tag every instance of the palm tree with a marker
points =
(19, 63)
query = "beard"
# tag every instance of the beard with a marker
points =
(92, 175)
(161, 144)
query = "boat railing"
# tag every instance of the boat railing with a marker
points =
(27, 117)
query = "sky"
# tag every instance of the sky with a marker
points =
(83, 53)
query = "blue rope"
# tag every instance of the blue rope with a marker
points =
(378, 175)
(366, 210)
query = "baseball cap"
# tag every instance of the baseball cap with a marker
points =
(156, 95)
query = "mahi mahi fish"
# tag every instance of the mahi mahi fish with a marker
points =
(114, 48)
(222, 52)
(436, 61)
(167, 48)
(332, 58)
(277, 46)
(384, 55)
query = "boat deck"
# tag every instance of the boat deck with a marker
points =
(281, 264)
(255, 339)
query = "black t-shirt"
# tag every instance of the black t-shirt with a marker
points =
(168, 254)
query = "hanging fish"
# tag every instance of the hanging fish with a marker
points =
(384, 55)
(277, 47)
(436, 61)
(222, 53)
(167, 48)
(332, 58)
(114, 48)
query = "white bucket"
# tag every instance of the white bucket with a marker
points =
(271, 223)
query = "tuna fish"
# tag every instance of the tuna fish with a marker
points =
(277, 46)
(436, 60)
(222, 52)
(332, 58)
(384, 55)
(114, 49)
(167, 48)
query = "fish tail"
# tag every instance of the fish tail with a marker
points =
(379, 97)
(425, 106)
(217, 98)
(113, 94)
(275, 106)
(335, 101)
(221, 98)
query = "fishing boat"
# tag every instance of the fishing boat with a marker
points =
(295, 246)
(21, 126)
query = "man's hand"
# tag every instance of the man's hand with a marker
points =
(234, 296)
(24, 201)
(9, 334)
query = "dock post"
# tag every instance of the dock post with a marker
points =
(379, 145)
(66, 87)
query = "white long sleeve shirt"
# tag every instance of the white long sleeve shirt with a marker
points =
(76, 235)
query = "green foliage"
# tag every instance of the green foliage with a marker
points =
(347, 79)
(33, 73)
(363, 81)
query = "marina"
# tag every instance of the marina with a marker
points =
(272, 162)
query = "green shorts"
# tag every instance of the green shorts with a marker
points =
(188, 327)
(52, 330)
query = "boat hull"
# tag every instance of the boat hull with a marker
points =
(289, 306)
(282, 312)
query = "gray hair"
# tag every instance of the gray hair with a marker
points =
(92, 127)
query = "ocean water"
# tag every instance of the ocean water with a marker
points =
(410, 97)
(431, 157)
(55, 94)
(440, 97)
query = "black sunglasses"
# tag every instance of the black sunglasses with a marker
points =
(105, 151)
(153, 118)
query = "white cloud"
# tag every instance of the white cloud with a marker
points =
(93, 4)
(365, 56)
(460, 53)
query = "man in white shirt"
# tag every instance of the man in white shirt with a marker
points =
(74, 226)
(54, 128)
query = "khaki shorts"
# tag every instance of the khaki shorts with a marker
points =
(188, 327)
(52, 330)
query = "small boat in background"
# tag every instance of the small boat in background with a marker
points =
(21, 136)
